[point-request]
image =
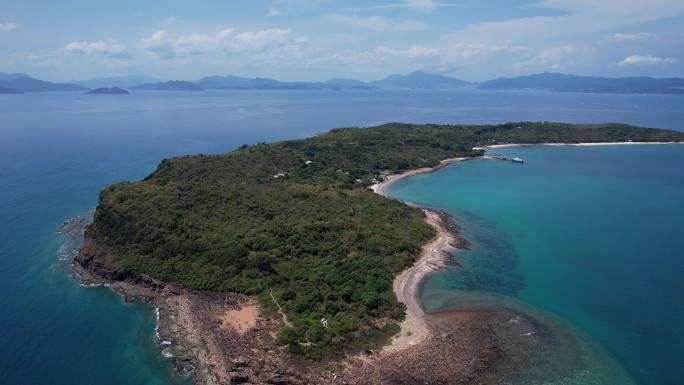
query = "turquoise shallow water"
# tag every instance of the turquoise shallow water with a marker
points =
(58, 150)
(591, 235)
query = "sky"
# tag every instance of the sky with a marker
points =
(320, 39)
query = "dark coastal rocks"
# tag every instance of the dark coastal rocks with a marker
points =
(449, 224)
(241, 362)
(95, 260)
(467, 347)
(189, 321)
(94, 265)
(238, 378)
(73, 230)
(279, 380)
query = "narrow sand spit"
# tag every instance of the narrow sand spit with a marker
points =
(434, 256)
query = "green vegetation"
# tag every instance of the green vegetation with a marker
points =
(296, 218)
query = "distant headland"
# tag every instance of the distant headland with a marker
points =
(108, 91)
(24, 83)
(276, 263)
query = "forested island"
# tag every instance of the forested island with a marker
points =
(295, 225)
(107, 91)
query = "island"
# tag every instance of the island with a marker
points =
(285, 263)
(108, 91)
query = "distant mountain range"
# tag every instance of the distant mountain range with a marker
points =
(240, 83)
(117, 81)
(420, 80)
(172, 85)
(570, 83)
(19, 83)
(415, 80)
(25, 83)
(12, 76)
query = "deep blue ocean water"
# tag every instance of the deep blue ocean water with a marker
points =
(57, 150)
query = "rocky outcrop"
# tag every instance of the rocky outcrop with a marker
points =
(462, 347)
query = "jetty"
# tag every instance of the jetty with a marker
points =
(499, 157)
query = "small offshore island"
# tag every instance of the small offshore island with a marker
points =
(107, 91)
(276, 264)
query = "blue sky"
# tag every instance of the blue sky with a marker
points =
(319, 39)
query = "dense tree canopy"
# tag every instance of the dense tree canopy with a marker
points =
(296, 218)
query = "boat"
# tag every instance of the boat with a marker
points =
(517, 160)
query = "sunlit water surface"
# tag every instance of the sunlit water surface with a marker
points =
(57, 150)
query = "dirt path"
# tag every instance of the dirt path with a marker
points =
(280, 310)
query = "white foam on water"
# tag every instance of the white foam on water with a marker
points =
(166, 353)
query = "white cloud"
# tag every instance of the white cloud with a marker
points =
(635, 60)
(8, 26)
(111, 48)
(550, 58)
(225, 41)
(400, 35)
(259, 40)
(626, 37)
(579, 18)
(272, 11)
(375, 23)
(416, 5)
(419, 51)
(643, 10)
(553, 55)
(421, 5)
(412, 52)
(159, 43)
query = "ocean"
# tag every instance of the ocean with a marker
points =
(607, 264)
(590, 235)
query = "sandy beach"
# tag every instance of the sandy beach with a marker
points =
(435, 255)
(381, 188)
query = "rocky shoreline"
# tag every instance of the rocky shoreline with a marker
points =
(195, 328)
(191, 329)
